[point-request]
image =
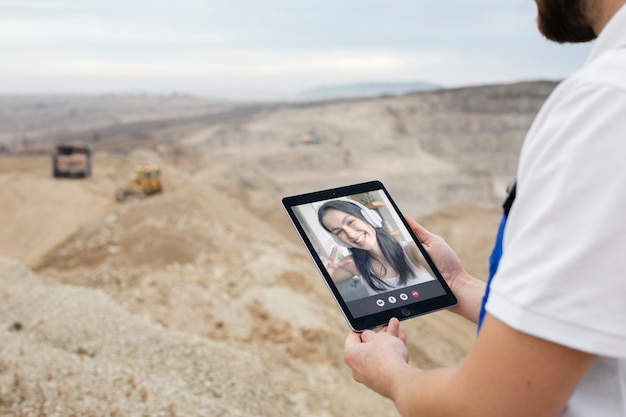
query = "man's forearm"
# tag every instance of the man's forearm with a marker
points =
(418, 393)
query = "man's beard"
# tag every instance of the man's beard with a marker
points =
(565, 21)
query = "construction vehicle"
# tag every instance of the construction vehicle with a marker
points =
(145, 181)
(71, 161)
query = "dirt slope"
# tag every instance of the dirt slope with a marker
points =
(202, 300)
(189, 275)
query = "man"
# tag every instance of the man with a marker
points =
(553, 338)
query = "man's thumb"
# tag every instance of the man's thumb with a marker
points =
(367, 335)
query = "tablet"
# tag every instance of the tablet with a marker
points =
(371, 261)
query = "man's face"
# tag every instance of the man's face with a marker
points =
(565, 21)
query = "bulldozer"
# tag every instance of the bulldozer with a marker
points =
(145, 181)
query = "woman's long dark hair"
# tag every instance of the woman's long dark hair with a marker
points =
(392, 250)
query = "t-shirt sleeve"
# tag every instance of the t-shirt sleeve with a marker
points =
(562, 276)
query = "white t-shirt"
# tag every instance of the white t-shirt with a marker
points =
(417, 277)
(562, 276)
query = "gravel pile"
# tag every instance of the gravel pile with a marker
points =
(73, 351)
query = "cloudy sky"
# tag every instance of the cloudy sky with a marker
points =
(255, 48)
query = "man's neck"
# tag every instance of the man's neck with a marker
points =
(604, 10)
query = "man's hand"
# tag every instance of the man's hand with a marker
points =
(467, 289)
(373, 356)
(441, 253)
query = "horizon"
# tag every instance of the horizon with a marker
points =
(304, 95)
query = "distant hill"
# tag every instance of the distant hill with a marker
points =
(367, 90)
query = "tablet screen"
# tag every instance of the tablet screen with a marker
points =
(371, 261)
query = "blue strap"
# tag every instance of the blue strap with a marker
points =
(494, 261)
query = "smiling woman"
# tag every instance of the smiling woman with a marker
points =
(381, 262)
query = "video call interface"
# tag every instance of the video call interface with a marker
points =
(354, 292)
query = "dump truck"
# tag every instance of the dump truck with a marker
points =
(145, 181)
(71, 161)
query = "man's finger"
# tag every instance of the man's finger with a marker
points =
(422, 234)
(393, 328)
(353, 338)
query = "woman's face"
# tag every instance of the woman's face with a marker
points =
(350, 229)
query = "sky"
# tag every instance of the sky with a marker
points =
(269, 48)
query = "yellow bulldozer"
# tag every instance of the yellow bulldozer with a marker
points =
(145, 181)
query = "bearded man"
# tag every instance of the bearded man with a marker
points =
(551, 317)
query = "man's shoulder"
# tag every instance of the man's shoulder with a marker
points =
(606, 70)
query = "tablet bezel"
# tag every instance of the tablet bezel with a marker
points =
(379, 318)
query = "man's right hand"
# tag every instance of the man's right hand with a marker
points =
(468, 290)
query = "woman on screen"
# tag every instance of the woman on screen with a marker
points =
(381, 262)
